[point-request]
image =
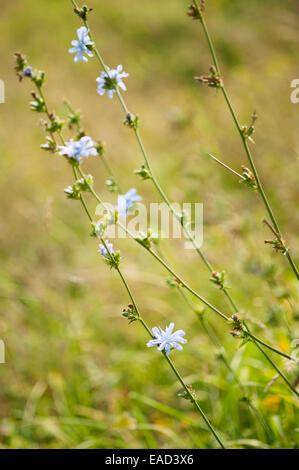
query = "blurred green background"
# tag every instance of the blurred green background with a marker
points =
(76, 375)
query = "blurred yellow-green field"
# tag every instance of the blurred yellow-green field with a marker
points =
(76, 374)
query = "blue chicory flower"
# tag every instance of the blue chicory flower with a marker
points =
(125, 201)
(110, 80)
(80, 47)
(28, 72)
(167, 339)
(103, 251)
(76, 149)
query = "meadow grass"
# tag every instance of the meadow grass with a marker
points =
(75, 375)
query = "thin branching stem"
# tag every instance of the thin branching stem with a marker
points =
(164, 263)
(244, 140)
(164, 197)
(220, 349)
(140, 319)
(161, 192)
(276, 368)
(170, 363)
(227, 167)
(161, 261)
(213, 338)
(148, 166)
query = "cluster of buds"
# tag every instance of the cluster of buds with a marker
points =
(130, 313)
(74, 120)
(247, 131)
(56, 124)
(248, 178)
(83, 12)
(23, 69)
(238, 329)
(80, 186)
(218, 278)
(21, 64)
(110, 217)
(98, 229)
(213, 80)
(194, 12)
(143, 172)
(186, 395)
(38, 103)
(111, 184)
(114, 260)
(100, 147)
(278, 244)
(50, 145)
(131, 121)
(145, 240)
(37, 76)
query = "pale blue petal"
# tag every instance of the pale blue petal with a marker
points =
(177, 346)
(169, 328)
(122, 86)
(155, 331)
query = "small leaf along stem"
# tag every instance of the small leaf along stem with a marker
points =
(227, 167)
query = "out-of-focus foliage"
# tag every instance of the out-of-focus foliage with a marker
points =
(76, 375)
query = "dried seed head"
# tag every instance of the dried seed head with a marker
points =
(218, 278)
(21, 63)
(235, 333)
(277, 245)
(130, 313)
(254, 117)
(213, 80)
(235, 317)
(83, 12)
(248, 178)
(193, 12)
(248, 173)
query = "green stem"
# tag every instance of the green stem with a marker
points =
(139, 316)
(161, 192)
(194, 401)
(175, 275)
(272, 363)
(150, 250)
(263, 422)
(146, 161)
(222, 354)
(244, 142)
(268, 346)
(177, 374)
